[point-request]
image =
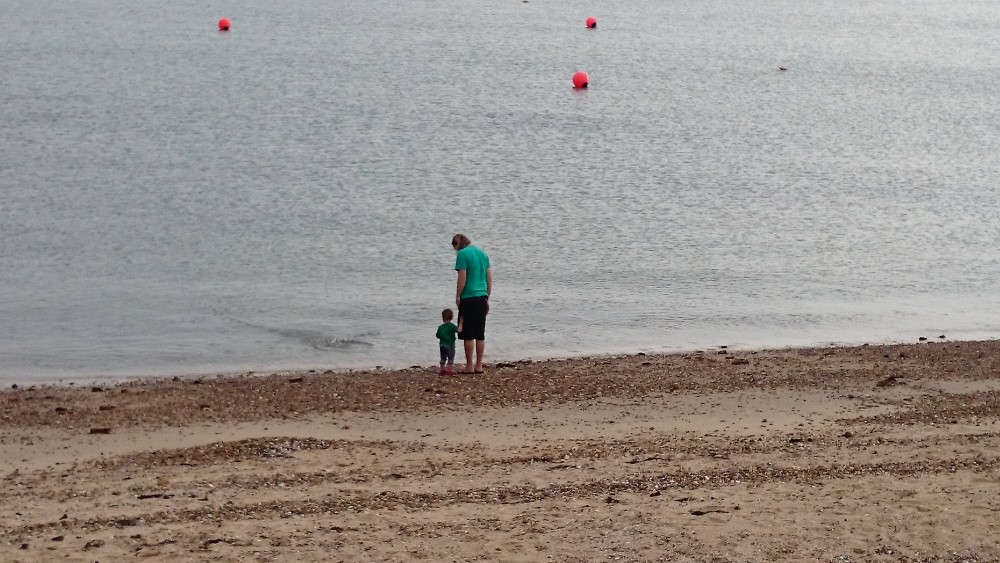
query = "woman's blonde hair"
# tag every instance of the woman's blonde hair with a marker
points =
(460, 241)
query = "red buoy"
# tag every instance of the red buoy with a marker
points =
(580, 79)
(224, 24)
(591, 22)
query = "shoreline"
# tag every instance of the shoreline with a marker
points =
(505, 368)
(861, 453)
(160, 375)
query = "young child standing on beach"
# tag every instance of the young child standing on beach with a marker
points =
(446, 338)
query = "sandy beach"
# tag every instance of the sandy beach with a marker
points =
(867, 453)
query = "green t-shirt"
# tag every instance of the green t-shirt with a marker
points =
(475, 262)
(446, 334)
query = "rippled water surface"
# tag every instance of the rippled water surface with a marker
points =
(178, 200)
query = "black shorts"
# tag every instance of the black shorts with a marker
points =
(472, 311)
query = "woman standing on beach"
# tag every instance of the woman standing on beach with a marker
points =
(472, 296)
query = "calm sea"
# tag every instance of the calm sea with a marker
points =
(178, 200)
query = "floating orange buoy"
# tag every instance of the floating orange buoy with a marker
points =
(580, 79)
(591, 22)
(224, 24)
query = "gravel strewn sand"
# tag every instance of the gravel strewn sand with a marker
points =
(868, 453)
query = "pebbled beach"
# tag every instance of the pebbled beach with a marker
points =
(864, 453)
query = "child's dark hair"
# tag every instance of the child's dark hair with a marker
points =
(447, 315)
